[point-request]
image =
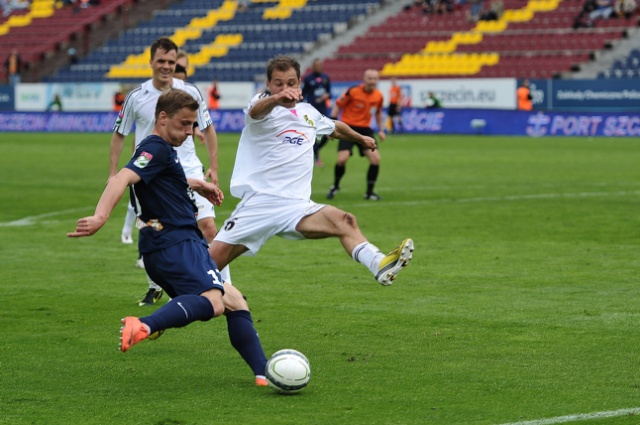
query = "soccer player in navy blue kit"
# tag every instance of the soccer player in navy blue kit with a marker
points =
(176, 254)
(316, 91)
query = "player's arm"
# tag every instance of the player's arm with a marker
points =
(378, 116)
(117, 142)
(210, 191)
(344, 132)
(211, 142)
(111, 195)
(265, 104)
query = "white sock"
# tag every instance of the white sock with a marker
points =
(226, 274)
(369, 255)
(152, 284)
(129, 220)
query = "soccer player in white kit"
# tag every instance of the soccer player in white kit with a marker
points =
(272, 177)
(139, 107)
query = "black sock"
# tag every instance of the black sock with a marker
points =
(372, 177)
(245, 340)
(338, 173)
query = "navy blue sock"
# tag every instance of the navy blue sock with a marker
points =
(372, 177)
(245, 340)
(179, 312)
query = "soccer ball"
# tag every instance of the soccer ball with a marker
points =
(288, 371)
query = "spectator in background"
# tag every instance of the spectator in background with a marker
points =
(316, 91)
(118, 101)
(395, 105)
(625, 8)
(475, 9)
(13, 66)
(8, 6)
(55, 105)
(433, 102)
(524, 97)
(495, 11)
(214, 96)
(603, 10)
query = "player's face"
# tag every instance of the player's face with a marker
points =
(182, 62)
(177, 128)
(280, 80)
(371, 80)
(163, 65)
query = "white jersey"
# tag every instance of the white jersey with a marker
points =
(275, 153)
(140, 107)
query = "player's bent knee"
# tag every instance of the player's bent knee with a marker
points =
(233, 299)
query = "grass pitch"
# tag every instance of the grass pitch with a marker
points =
(521, 302)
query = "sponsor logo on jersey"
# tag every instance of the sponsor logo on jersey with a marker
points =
(294, 137)
(143, 160)
(309, 121)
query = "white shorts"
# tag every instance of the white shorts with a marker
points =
(205, 208)
(258, 217)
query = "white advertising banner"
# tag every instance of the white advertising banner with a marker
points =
(232, 95)
(74, 97)
(476, 93)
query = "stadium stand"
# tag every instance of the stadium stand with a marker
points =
(534, 41)
(44, 33)
(223, 42)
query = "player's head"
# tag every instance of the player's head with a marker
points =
(317, 66)
(283, 72)
(282, 64)
(176, 113)
(371, 77)
(182, 64)
(163, 61)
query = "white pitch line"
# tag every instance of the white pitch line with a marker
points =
(579, 417)
(31, 220)
(508, 198)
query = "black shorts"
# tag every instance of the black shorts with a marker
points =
(344, 145)
(393, 109)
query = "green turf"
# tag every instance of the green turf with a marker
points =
(521, 302)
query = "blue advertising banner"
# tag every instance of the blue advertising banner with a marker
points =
(7, 98)
(595, 95)
(533, 123)
(415, 121)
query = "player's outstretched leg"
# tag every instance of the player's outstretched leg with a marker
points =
(394, 262)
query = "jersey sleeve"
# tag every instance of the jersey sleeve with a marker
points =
(247, 118)
(149, 160)
(344, 98)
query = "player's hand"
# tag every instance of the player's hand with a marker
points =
(86, 226)
(289, 96)
(369, 143)
(211, 176)
(212, 192)
(382, 135)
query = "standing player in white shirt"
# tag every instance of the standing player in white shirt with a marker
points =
(139, 107)
(272, 176)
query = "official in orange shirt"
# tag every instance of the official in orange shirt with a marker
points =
(357, 105)
(395, 104)
(524, 97)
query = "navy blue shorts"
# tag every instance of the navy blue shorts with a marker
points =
(184, 268)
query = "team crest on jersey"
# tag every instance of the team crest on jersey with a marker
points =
(309, 121)
(143, 160)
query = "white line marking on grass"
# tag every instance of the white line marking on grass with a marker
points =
(30, 221)
(511, 198)
(580, 417)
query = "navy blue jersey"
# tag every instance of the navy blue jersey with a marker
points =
(161, 198)
(314, 86)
